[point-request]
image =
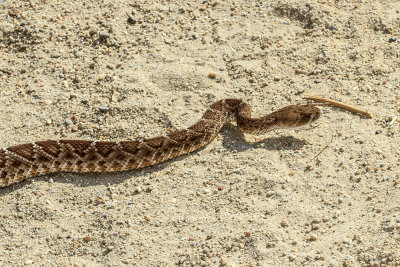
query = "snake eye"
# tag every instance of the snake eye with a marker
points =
(307, 117)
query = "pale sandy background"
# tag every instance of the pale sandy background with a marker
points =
(129, 69)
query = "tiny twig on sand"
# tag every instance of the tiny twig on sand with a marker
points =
(322, 150)
(339, 105)
(393, 120)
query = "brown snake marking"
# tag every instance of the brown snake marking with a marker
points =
(20, 162)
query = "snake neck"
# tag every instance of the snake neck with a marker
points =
(290, 117)
(239, 110)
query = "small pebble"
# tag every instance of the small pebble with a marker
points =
(270, 193)
(315, 226)
(284, 223)
(104, 109)
(298, 71)
(312, 238)
(138, 189)
(212, 75)
(104, 35)
(131, 19)
(337, 214)
(87, 239)
(68, 121)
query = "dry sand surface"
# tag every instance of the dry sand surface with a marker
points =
(116, 70)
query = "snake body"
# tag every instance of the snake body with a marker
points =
(20, 162)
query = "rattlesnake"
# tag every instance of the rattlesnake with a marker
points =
(27, 160)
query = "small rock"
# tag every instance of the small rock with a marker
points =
(284, 223)
(212, 75)
(68, 121)
(138, 189)
(270, 245)
(104, 35)
(77, 79)
(392, 40)
(337, 214)
(315, 226)
(131, 19)
(65, 84)
(270, 193)
(102, 76)
(115, 96)
(299, 71)
(87, 239)
(104, 109)
(79, 54)
(312, 238)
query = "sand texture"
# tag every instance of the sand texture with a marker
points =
(123, 70)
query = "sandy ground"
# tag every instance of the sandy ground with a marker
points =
(115, 70)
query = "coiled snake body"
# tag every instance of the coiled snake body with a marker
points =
(20, 162)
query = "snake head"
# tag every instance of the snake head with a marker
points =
(296, 116)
